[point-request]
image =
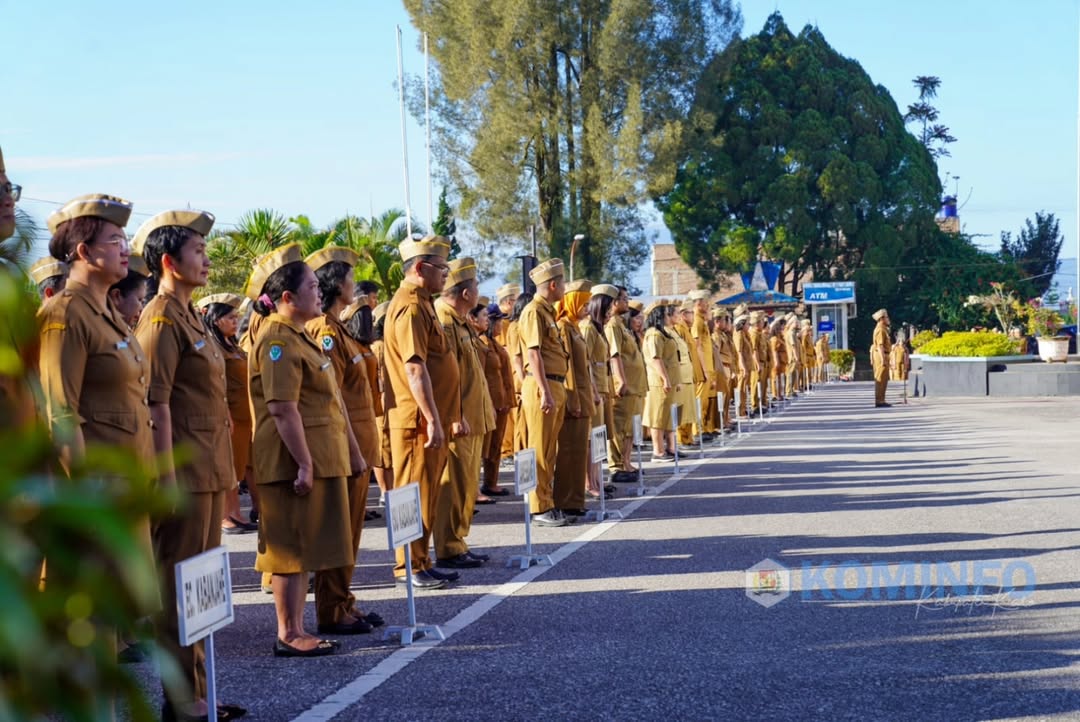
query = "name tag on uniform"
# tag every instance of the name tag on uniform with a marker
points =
(324, 366)
(199, 345)
(357, 357)
(121, 345)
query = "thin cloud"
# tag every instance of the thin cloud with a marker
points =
(38, 163)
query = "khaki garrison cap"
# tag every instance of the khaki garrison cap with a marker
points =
(741, 310)
(96, 205)
(47, 268)
(581, 286)
(549, 270)
(879, 313)
(636, 305)
(699, 294)
(741, 320)
(426, 246)
(266, 265)
(461, 270)
(229, 299)
(719, 313)
(380, 311)
(777, 323)
(686, 305)
(606, 289)
(330, 254)
(806, 322)
(137, 264)
(201, 222)
(658, 303)
(484, 301)
(507, 290)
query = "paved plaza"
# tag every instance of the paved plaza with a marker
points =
(869, 522)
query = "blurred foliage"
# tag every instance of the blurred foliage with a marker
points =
(922, 337)
(970, 343)
(842, 360)
(57, 640)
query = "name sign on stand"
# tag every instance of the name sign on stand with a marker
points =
(598, 443)
(524, 483)
(675, 429)
(204, 605)
(638, 438)
(404, 524)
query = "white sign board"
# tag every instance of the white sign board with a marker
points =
(599, 444)
(674, 417)
(697, 411)
(637, 430)
(524, 471)
(403, 521)
(203, 595)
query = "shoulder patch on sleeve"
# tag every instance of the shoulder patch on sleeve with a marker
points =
(277, 348)
(161, 320)
(54, 327)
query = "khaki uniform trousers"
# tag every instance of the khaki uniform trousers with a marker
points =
(506, 438)
(193, 529)
(572, 463)
(493, 449)
(412, 462)
(334, 601)
(457, 496)
(623, 410)
(881, 383)
(793, 371)
(701, 393)
(755, 390)
(742, 384)
(542, 435)
(710, 417)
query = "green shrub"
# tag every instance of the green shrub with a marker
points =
(842, 360)
(922, 337)
(970, 343)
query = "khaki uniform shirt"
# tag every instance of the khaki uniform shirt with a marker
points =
(94, 373)
(412, 331)
(350, 369)
(187, 372)
(882, 347)
(579, 390)
(823, 350)
(793, 346)
(622, 343)
(758, 347)
(599, 352)
(497, 373)
(700, 332)
(744, 352)
(537, 329)
(696, 369)
(665, 348)
(236, 387)
(286, 365)
(807, 350)
(513, 350)
(476, 406)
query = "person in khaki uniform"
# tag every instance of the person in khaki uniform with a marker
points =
(506, 296)
(758, 352)
(572, 457)
(778, 349)
(806, 339)
(684, 316)
(822, 352)
(384, 463)
(304, 447)
(748, 363)
(727, 370)
(190, 409)
(423, 398)
(460, 480)
(336, 610)
(705, 391)
(49, 275)
(880, 353)
(94, 374)
(660, 350)
(794, 354)
(629, 386)
(488, 322)
(543, 394)
(899, 361)
(599, 312)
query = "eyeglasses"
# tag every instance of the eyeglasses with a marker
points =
(442, 267)
(10, 189)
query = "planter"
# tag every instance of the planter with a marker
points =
(965, 376)
(1053, 348)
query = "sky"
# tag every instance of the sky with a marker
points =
(239, 104)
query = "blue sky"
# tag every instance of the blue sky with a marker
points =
(235, 104)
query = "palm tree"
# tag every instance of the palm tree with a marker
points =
(16, 250)
(232, 253)
(380, 237)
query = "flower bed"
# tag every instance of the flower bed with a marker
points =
(970, 344)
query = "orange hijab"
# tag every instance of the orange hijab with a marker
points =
(571, 305)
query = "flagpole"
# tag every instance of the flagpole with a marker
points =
(427, 123)
(404, 141)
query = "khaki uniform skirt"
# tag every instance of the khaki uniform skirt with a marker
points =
(304, 533)
(657, 409)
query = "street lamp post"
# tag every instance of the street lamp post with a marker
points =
(573, 249)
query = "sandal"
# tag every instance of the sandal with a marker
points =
(325, 647)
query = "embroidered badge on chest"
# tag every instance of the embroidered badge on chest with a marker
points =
(276, 350)
(327, 343)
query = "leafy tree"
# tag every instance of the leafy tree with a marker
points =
(1035, 251)
(16, 250)
(565, 115)
(797, 156)
(932, 134)
(233, 252)
(446, 226)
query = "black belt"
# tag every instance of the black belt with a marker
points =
(552, 377)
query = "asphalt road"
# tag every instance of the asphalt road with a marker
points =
(873, 521)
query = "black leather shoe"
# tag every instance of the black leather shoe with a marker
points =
(624, 477)
(573, 512)
(481, 557)
(461, 561)
(360, 626)
(444, 576)
(882, 406)
(325, 647)
(371, 617)
(422, 580)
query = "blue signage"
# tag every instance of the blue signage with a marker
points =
(836, 292)
(823, 326)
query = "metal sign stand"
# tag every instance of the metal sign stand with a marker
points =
(761, 401)
(204, 605)
(403, 525)
(524, 483)
(675, 433)
(641, 489)
(738, 412)
(700, 427)
(599, 456)
(720, 408)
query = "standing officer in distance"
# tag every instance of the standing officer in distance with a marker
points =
(506, 296)
(880, 353)
(423, 400)
(705, 391)
(460, 480)
(629, 384)
(543, 396)
(49, 275)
